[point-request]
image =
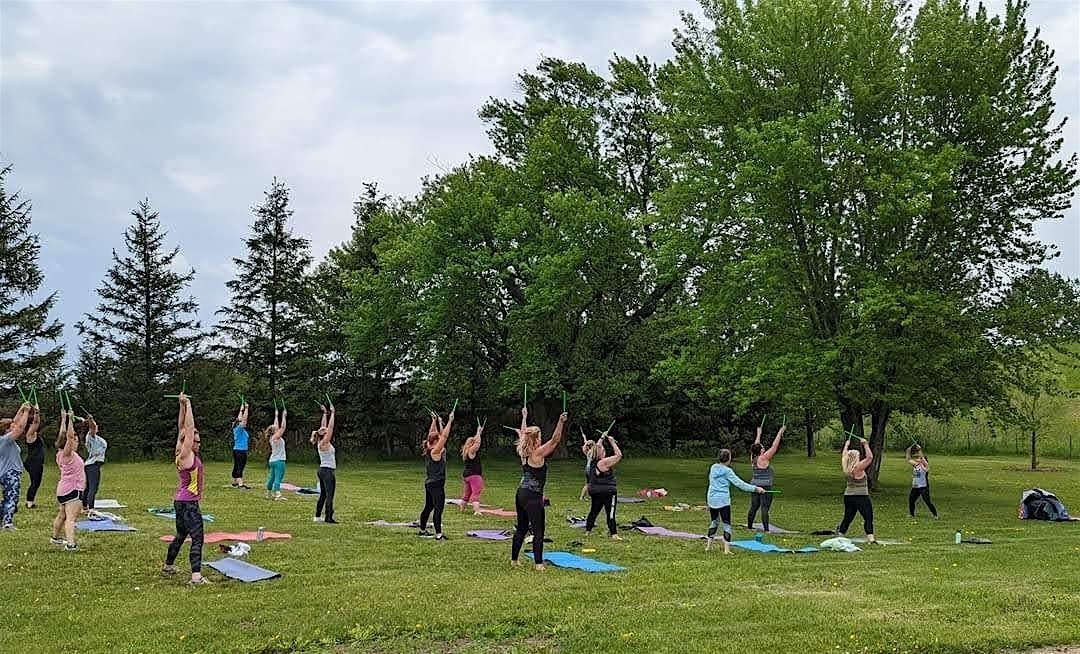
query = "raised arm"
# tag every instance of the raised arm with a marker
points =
(907, 456)
(768, 454)
(242, 416)
(72, 442)
(548, 448)
(280, 431)
(18, 423)
(185, 457)
(608, 462)
(328, 428)
(444, 435)
(433, 430)
(322, 424)
(32, 428)
(524, 419)
(757, 439)
(868, 456)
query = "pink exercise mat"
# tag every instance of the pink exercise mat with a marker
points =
(502, 513)
(217, 536)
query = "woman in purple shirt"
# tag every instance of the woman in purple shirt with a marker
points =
(189, 522)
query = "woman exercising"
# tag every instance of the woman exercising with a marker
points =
(11, 463)
(323, 439)
(761, 463)
(857, 492)
(275, 434)
(35, 457)
(920, 479)
(721, 477)
(240, 446)
(530, 494)
(72, 484)
(473, 474)
(435, 479)
(189, 521)
(95, 458)
(602, 487)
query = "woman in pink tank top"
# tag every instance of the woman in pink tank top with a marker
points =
(72, 484)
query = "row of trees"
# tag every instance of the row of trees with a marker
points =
(816, 209)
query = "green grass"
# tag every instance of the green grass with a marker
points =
(353, 588)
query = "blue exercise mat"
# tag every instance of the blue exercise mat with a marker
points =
(241, 570)
(573, 561)
(756, 546)
(102, 525)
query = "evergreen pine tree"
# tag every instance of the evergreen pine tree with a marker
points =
(263, 326)
(139, 338)
(28, 349)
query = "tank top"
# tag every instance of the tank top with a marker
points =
(762, 476)
(533, 479)
(35, 452)
(72, 474)
(191, 482)
(857, 486)
(919, 477)
(472, 466)
(436, 470)
(328, 458)
(277, 449)
(601, 482)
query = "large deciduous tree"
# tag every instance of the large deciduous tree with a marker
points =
(869, 184)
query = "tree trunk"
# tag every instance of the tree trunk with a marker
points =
(879, 418)
(811, 450)
(1034, 461)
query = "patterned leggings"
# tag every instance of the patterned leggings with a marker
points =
(10, 482)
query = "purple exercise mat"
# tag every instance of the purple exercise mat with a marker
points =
(489, 534)
(664, 531)
(773, 529)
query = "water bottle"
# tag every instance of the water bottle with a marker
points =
(958, 537)
(259, 535)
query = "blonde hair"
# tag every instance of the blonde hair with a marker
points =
(528, 440)
(849, 460)
(466, 445)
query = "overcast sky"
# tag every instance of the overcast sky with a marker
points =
(198, 105)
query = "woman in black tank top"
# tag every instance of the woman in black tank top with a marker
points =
(530, 494)
(602, 487)
(473, 474)
(35, 457)
(435, 481)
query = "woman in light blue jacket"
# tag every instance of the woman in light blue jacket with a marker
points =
(721, 478)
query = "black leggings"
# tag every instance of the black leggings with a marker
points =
(434, 499)
(239, 462)
(93, 481)
(327, 486)
(36, 468)
(724, 514)
(530, 515)
(188, 523)
(857, 504)
(915, 494)
(764, 501)
(602, 501)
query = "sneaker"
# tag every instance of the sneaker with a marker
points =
(440, 537)
(201, 581)
(317, 519)
(330, 521)
(708, 543)
(169, 570)
(279, 498)
(616, 537)
(31, 505)
(235, 485)
(529, 540)
(56, 541)
(9, 527)
(424, 533)
(71, 547)
(244, 486)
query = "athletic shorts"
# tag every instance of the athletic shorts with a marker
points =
(71, 497)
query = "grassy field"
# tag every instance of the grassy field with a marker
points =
(354, 588)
